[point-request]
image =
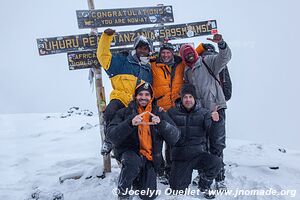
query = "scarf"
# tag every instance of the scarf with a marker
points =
(144, 132)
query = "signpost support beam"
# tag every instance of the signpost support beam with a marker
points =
(101, 103)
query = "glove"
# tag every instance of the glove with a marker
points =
(208, 47)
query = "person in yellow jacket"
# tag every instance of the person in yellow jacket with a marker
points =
(125, 71)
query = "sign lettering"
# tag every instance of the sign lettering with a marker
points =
(124, 16)
(64, 44)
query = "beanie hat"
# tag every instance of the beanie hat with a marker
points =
(143, 87)
(185, 50)
(188, 89)
(167, 46)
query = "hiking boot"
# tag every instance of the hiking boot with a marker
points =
(163, 179)
(106, 148)
(124, 197)
(205, 187)
(196, 180)
(220, 186)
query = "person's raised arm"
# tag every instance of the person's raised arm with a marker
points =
(103, 49)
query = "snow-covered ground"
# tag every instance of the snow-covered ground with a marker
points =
(36, 149)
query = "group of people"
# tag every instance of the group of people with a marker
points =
(168, 98)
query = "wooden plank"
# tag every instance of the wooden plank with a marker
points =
(63, 44)
(124, 16)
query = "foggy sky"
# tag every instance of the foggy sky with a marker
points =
(263, 36)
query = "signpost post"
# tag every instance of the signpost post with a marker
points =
(101, 103)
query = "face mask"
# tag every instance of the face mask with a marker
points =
(144, 60)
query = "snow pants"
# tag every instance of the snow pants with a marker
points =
(165, 167)
(181, 171)
(217, 136)
(111, 109)
(138, 172)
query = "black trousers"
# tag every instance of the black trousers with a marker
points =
(165, 167)
(111, 109)
(217, 137)
(181, 171)
(138, 172)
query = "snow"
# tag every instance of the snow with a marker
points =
(36, 149)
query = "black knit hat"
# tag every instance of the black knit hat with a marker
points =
(167, 46)
(188, 89)
(143, 87)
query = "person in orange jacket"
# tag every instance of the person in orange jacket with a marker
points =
(167, 71)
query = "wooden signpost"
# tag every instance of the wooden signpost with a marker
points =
(81, 48)
(63, 44)
(124, 16)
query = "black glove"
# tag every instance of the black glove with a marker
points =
(208, 47)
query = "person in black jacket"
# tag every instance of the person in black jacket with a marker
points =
(137, 133)
(190, 152)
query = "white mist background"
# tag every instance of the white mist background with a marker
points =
(263, 36)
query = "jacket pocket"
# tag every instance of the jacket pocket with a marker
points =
(128, 83)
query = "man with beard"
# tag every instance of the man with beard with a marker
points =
(125, 71)
(137, 133)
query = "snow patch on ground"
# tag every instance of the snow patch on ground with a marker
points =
(36, 149)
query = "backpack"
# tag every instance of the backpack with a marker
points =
(225, 80)
(226, 83)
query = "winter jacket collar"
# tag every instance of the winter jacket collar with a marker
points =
(132, 58)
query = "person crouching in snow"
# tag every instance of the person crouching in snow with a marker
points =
(137, 132)
(190, 152)
(125, 71)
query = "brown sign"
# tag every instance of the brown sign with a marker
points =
(82, 60)
(64, 44)
(124, 16)
(88, 58)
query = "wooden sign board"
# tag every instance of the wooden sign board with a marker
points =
(171, 32)
(63, 44)
(124, 16)
(82, 60)
(88, 58)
